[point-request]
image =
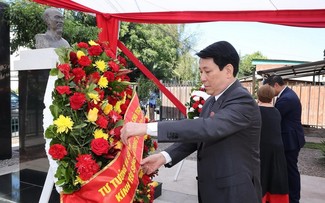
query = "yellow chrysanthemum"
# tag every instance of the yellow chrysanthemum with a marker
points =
(111, 140)
(98, 133)
(103, 82)
(118, 104)
(152, 149)
(93, 115)
(140, 173)
(108, 108)
(145, 137)
(92, 43)
(78, 180)
(101, 65)
(118, 145)
(94, 97)
(80, 54)
(117, 107)
(153, 183)
(63, 124)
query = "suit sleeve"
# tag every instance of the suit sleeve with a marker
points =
(234, 114)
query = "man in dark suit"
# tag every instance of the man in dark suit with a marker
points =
(292, 132)
(226, 136)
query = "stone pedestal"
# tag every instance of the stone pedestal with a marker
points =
(33, 69)
(5, 107)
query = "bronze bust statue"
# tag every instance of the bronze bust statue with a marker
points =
(53, 36)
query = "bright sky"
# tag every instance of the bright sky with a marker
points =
(273, 41)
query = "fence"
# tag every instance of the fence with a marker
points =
(311, 97)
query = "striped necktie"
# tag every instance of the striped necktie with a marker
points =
(211, 104)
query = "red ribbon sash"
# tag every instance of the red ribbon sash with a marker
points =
(118, 181)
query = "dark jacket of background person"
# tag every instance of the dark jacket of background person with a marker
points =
(289, 106)
(228, 157)
(274, 177)
(290, 109)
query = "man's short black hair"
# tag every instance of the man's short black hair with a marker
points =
(223, 53)
(272, 79)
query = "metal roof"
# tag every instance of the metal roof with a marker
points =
(295, 71)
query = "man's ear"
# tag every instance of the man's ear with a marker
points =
(230, 69)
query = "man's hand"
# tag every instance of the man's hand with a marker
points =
(151, 163)
(132, 129)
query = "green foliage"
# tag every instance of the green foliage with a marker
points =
(25, 22)
(145, 85)
(187, 68)
(79, 27)
(245, 67)
(158, 47)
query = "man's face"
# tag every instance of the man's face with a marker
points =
(56, 21)
(214, 80)
(277, 88)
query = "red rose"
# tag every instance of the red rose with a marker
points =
(95, 50)
(122, 60)
(202, 101)
(102, 122)
(94, 77)
(113, 66)
(110, 53)
(195, 104)
(101, 93)
(116, 132)
(109, 75)
(82, 45)
(84, 61)
(63, 90)
(99, 146)
(145, 149)
(114, 116)
(73, 58)
(57, 151)
(155, 145)
(65, 69)
(86, 166)
(78, 74)
(77, 100)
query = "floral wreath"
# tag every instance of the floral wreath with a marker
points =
(197, 99)
(91, 95)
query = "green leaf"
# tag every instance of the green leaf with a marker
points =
(50, 132)
(55, 110)
(60, 182)
(119, 123)
(82, 125)
(54, 72)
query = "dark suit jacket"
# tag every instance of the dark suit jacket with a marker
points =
(228, 147)
(290, 109)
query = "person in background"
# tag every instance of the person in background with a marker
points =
(53, 36)
(152, 105)
(274, 178)
(226, 135)
(289, 106)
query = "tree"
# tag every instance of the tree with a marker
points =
(187, 68)
(245, 67)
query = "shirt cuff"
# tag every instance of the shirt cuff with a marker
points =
(152, 129)
(167, 157)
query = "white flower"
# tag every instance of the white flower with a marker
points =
(200, 106)
(196, 98)
(202, 94)
(191, 109)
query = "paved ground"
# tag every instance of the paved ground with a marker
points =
(184, 188)
(181, 187)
